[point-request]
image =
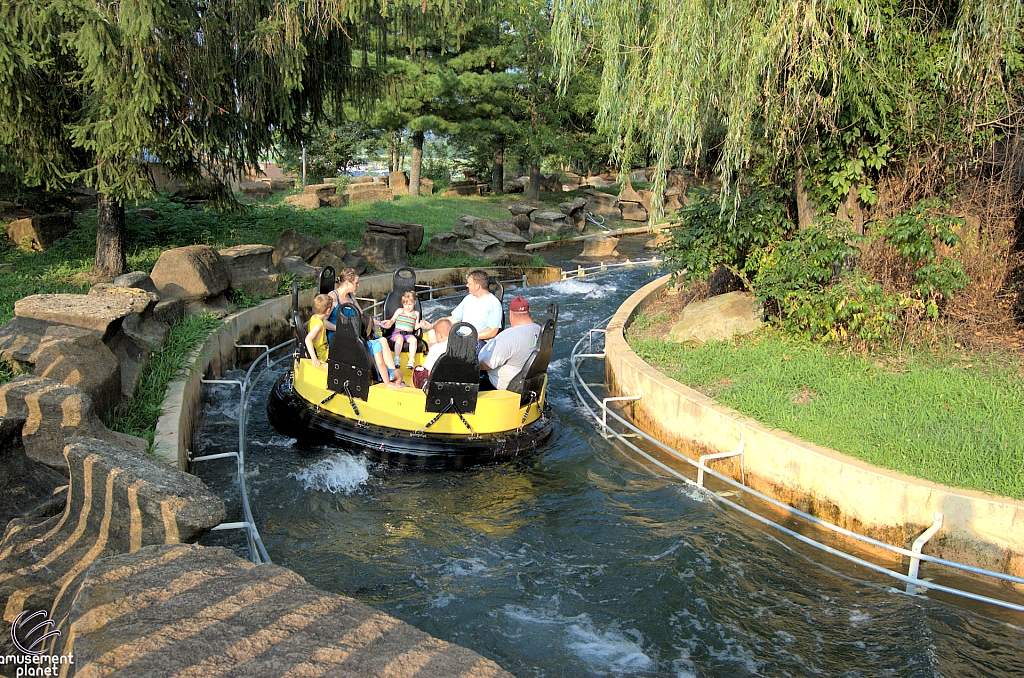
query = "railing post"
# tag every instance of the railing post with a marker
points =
(915, 563)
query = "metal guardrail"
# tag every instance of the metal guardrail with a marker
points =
(257, 551)
(600, 412)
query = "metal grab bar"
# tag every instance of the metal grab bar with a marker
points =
(702, 465)
(580, 387)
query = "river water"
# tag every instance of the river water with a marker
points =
(580, 561)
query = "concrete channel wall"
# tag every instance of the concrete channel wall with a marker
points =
(978, 529)
(267, 324)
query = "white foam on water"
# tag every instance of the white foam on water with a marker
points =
(441, 600)
(274, 441)
(341, 472)
(858, 617)
(609, 649)
(579, 288)
(463, 567)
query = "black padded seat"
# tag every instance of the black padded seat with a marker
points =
(552, 313)
(403, 280)
(455, 379)
(298, 326)
(326, 280)
(498, 290)
(349, 362)
(531, 377)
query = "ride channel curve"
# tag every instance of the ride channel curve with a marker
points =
(600, 413)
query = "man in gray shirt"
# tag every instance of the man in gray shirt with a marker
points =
(504, 356)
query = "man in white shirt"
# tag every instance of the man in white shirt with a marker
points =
(504, 356)
(480, 308)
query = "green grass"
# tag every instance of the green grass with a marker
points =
(138, 416)
(178, 225)
(954, 419)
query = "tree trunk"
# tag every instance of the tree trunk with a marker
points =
(534, 193)
(417, 164)
(498, 174)
(110, 239)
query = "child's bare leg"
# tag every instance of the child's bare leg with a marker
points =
(398, 347)
(412, 351)
(389, 357)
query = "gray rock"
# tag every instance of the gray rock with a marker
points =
(483, 246)
(632, 211)
(137, 279)
(252, 270)
(26, 486)
(463, 226)
(355, 262)
(259, 288)
(599, 249)
(256, 190)
(190, 273)
(338, 248)
(82, 361)
(674, 200)
(278, 624)
(282, 184)
(426, 186)
(555, 222)
(398, 182)
(303, 201)
(443, 244)
(54, 413)
(603, 204)
(102, 314)
(369, 192)
(383, 251)
(297, 266)
(412, 232)
(719, 318)
(325, 258)
(169, 310)
(637, 175)
(291, 243)
(218, 306)
(521, 223)
(43, 230)
(118, 501)
(521, 208)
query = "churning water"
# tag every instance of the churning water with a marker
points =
(579, 561)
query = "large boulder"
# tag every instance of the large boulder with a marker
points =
(118, 501)
(521, 208)
(464, 226)
(355, 262)
(338, 248)
(256, 190)
(483, 246)
(327, 258)
(632, 211)
(521, 223)
(282, 184)
(719, 318)
(602, 203)
(674, 200)
(43, 230)
(426, 186)
(303, 201)
(327, 194)
(141, 333)
(398, 182)
(252, 269)
(78, 358)
(137, 279)
(291, 243)
(383, 251)
(413, 233)
(297, 266)
(576, 211)
(193, 272)
(443, 244)
(100, 314)
(368, 192)
(571, 181)
(550, 224)
(54, 413)
(223, 616)
(26, 486)
(468, 187)
(598, 249)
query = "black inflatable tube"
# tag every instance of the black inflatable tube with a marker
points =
(297, 418)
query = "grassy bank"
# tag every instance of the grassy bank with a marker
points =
(953, 418)
(177, 224)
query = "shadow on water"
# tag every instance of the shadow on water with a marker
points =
(579, 561)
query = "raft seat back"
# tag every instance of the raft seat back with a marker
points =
(300, 329)
(404, 280)
(348, 358)
(455, 378)
(531, 377)
(326, 280)
(552, 313)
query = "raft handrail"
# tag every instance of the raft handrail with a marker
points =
(577, 382)
(257, 551)
(429, 290)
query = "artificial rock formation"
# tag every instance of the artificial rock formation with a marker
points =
(383, 251)
(42, 230)
(368, 192)
(598, 249)
(291, 243)
(603, 204)
(225, 616)
(53, 413)
(256, 190)
(193, 273)
(252, 269)
(118, 501)
(413, 233)
(719, 318)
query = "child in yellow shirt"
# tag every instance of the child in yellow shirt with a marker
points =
(316, 334)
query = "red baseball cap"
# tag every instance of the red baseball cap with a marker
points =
(519, 305)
